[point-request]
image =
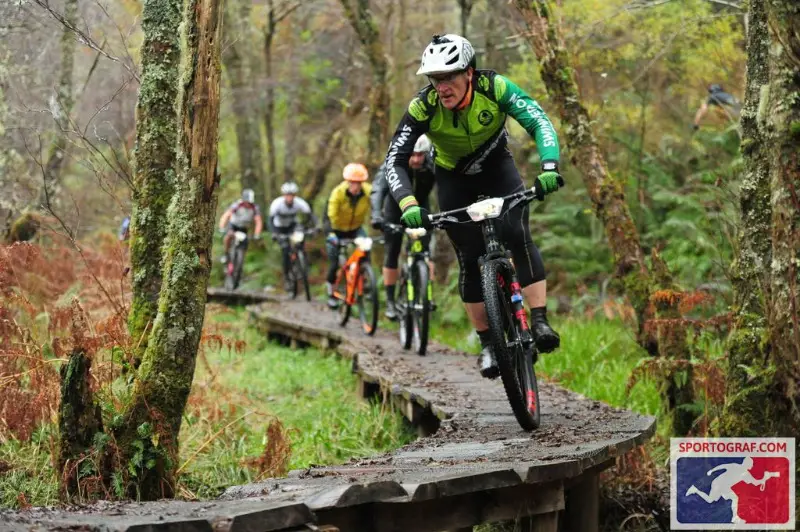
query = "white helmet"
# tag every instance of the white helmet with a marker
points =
(248, 196)
(447, 53)
(289, 188)
(423, 144)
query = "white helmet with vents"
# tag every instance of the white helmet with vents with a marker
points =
(289, 188)
(447, 53)
(423, 144)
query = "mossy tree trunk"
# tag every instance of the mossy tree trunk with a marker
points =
(363, 23)
(763, 389)
(238, 59)
(608, 197)
(746, 400)
(784, 152)
(61, 107)
(149, 433)
(156, 137)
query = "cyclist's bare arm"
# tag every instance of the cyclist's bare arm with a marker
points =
(259, 224)
(225, 218)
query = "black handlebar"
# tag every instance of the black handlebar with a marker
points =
(444, 218)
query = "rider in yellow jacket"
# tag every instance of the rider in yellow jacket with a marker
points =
(347, 210)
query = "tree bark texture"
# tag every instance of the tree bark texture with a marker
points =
(238, 61)
(79, 421)
(608, 198)
(745, 401)
(156, 137)
(165, 377)
(61, 108)
(784, 152)
(367, 31)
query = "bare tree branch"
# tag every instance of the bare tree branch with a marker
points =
(84, 38)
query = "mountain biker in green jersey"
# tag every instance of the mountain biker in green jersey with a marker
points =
(463, 112)
(385, 210)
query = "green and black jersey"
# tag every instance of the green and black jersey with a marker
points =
(464, 139)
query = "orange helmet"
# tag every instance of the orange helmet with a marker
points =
(355, 172)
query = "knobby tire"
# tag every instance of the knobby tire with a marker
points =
(421, 310)
(404, 311)
(499, 315)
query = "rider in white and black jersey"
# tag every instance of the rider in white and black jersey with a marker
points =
(283, 219)
(240, 216)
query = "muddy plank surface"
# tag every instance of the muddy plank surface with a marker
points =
(478, 447)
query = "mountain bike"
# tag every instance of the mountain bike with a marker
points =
(298, 264)
(511, 337)
(355, 284)
(235, 262)
(415, 290)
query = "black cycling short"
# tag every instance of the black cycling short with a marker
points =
(499, 178)
(392, 214)
(234, 228)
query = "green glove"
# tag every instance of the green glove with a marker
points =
(548, 182)
(412, 217)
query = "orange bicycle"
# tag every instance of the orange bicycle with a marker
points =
(356, 285)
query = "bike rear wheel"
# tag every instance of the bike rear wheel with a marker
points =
(404, 305)
(421, 308)
(514, 361)
(367, 299)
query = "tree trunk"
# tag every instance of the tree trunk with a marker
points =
(269, 114)
(61, 107)
(153, 419)
(367, 31)
(750, 270)
(239, 38)
(328, 148)
(466, 9)
(608, 197)
(764, 348)
(783, 125)
(156, 137)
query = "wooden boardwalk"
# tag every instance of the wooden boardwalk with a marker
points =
(471, 465)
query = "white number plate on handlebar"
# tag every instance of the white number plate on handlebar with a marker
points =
(485, 209)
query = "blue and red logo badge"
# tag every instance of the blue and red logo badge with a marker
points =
(732, 484)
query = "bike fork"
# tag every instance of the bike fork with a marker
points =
(517, 309)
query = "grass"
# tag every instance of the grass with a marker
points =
(313, 396)
(254, 412)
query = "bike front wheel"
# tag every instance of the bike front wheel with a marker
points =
(367, 299)
(404, 305)
(238, 266)
(514, 361)
(421, 307)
